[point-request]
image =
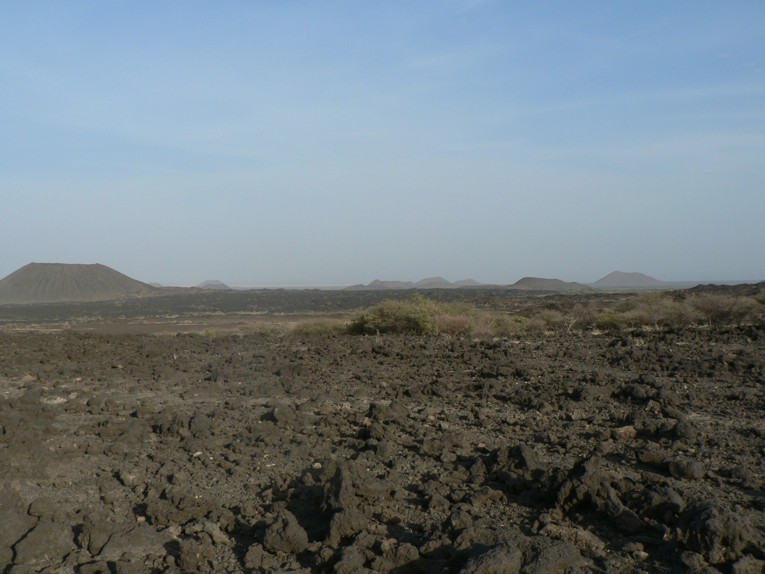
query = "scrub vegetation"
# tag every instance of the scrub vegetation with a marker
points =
(651, 310)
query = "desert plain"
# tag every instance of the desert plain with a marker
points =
(251, 432)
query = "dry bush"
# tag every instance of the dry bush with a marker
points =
(546, 320)
(647, 309)
(611, 320)
(319, 327)
(663, 310)
(454, 324)
(509, 325)
(460, 319)
(719, 310)
(758, 313)
(455, 309)
(760, 296)
(484, 325)
(680, 313)
(421, 316)
(581, 317)
(659, 310)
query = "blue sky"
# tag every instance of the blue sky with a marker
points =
(335, 142)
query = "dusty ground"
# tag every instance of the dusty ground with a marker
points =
(133, 452)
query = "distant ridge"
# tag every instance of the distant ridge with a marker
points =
(214, 284)
(542, 284)
(735, 289)
(622, 280)
(65, 282)
(427, 283)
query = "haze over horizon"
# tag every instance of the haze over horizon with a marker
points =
(333, 143)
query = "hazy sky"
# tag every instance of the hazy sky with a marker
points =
(335, 142)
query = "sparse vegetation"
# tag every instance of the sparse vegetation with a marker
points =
(610, 320)
(421, 316)
(654, 310)
(719, 310)
(760, 296)
(667, 310)
(480, 313)
(546, 320)
(509, 325)
(453, 324)
(319, 327)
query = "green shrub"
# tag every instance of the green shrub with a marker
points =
(421, 316)
(413, 317)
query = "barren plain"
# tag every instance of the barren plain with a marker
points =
(195, 433)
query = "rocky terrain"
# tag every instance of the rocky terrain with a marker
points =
(637, 452)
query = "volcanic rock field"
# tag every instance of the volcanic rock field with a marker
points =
(573, 452)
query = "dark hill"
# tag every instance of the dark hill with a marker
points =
(62, 282)
(433, 283)
(622, 280)
(214, 284)
(541, 284)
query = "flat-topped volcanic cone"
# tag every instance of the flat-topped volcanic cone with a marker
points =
(63, 282)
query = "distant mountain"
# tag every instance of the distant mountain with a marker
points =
(64, 282)
(555, 285)
(433, 283)
(622, 280)
(427, 283)
(214, 284)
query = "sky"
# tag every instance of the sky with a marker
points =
(333, 142)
